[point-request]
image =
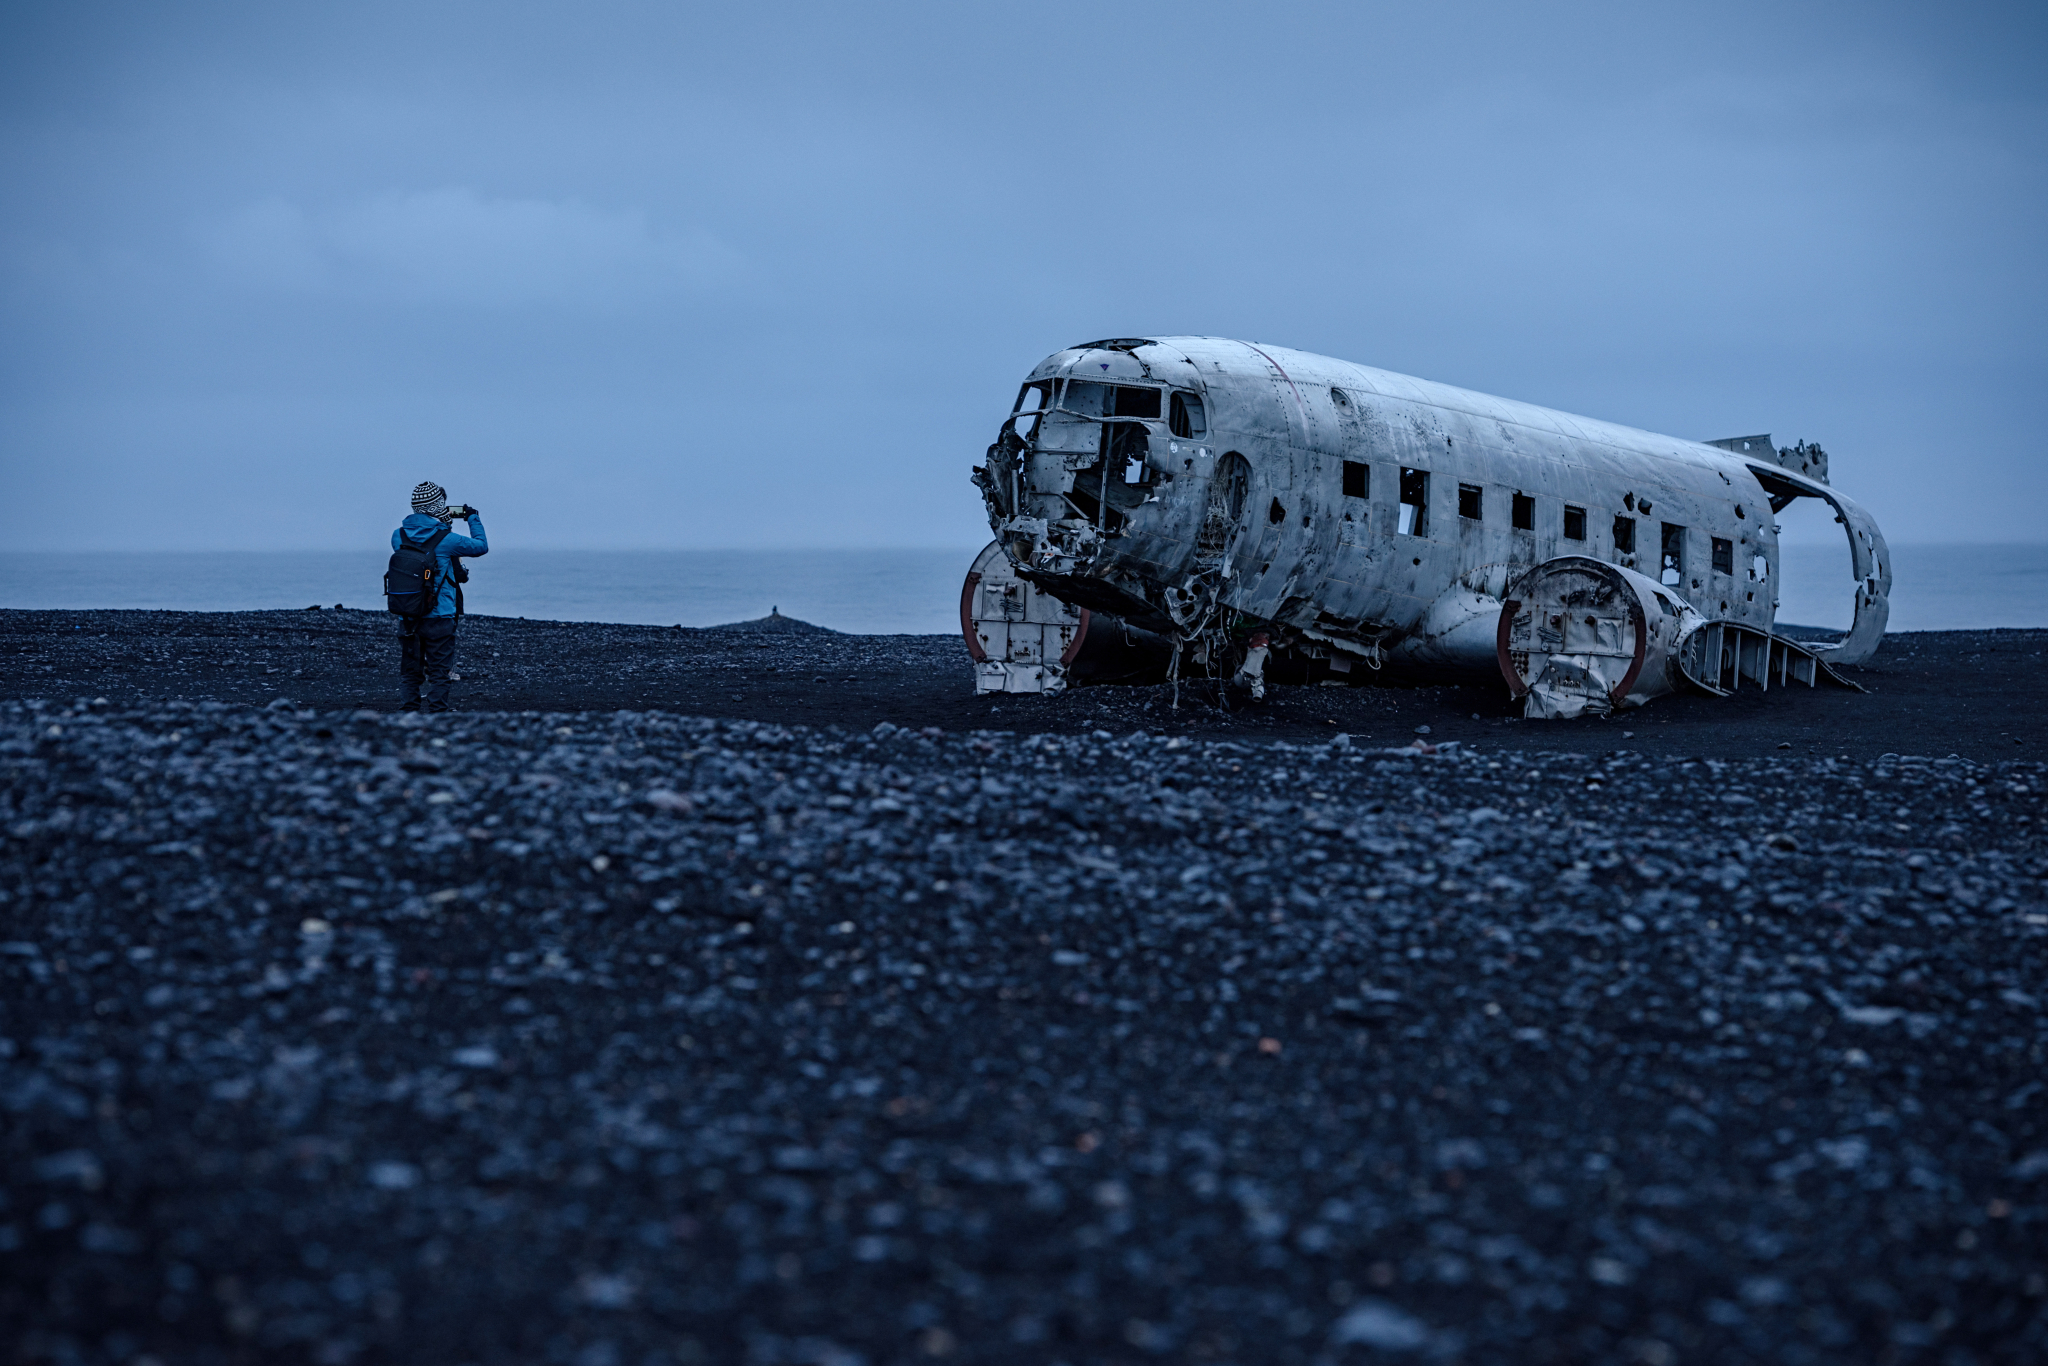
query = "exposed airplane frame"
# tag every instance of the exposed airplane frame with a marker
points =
(1229, 501)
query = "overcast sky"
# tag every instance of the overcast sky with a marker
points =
(768, 275)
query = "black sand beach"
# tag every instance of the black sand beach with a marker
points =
(1977, 694)
(760, 995)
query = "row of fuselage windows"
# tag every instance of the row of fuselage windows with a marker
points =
(1414, 519)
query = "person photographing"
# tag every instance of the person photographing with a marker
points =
(423, 589)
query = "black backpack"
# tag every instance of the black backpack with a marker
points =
(412, 580)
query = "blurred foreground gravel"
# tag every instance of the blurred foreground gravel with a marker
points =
(621, 1039)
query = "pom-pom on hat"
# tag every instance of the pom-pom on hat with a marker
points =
(430, 498)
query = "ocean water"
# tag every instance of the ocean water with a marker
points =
(1936, 587)
(870, 592)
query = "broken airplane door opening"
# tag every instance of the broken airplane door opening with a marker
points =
(1211, 506)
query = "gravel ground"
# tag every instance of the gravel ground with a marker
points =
(1969, 693)
(632, 1038)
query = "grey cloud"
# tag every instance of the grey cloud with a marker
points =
(768, 276)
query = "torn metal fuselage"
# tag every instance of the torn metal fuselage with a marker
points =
(1203, 490)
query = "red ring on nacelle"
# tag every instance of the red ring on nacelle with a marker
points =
(974, 650)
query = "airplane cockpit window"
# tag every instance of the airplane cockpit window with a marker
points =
(1574, 523)
(1414, 503)
(1184, 417)
(1624, 534)
(1032, 402)
(1079, 419)
(1085, 398)
(1724, 557)
(1131, 401)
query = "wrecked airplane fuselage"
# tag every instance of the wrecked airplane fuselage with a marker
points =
(1204, 492)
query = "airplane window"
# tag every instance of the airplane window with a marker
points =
(1184, 417)
(1414, 503)
(1625, 534)
(1671, 568)
(1234, 479)
(1128, 445)
(1724, 556)
(1135, 402)
(1031, 401)
(1574, 523)
(1759, 568)
(1357, 479)
(1086, 398)
(1468, 501)
(1523, 513)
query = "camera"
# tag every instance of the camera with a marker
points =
(459, 510)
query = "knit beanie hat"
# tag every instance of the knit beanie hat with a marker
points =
(430, 498)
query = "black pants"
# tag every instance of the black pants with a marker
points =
(428, 653)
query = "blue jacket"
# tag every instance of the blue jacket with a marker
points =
(418, 529)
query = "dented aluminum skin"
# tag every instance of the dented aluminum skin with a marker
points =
(1021, 638)
(1206, 489)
